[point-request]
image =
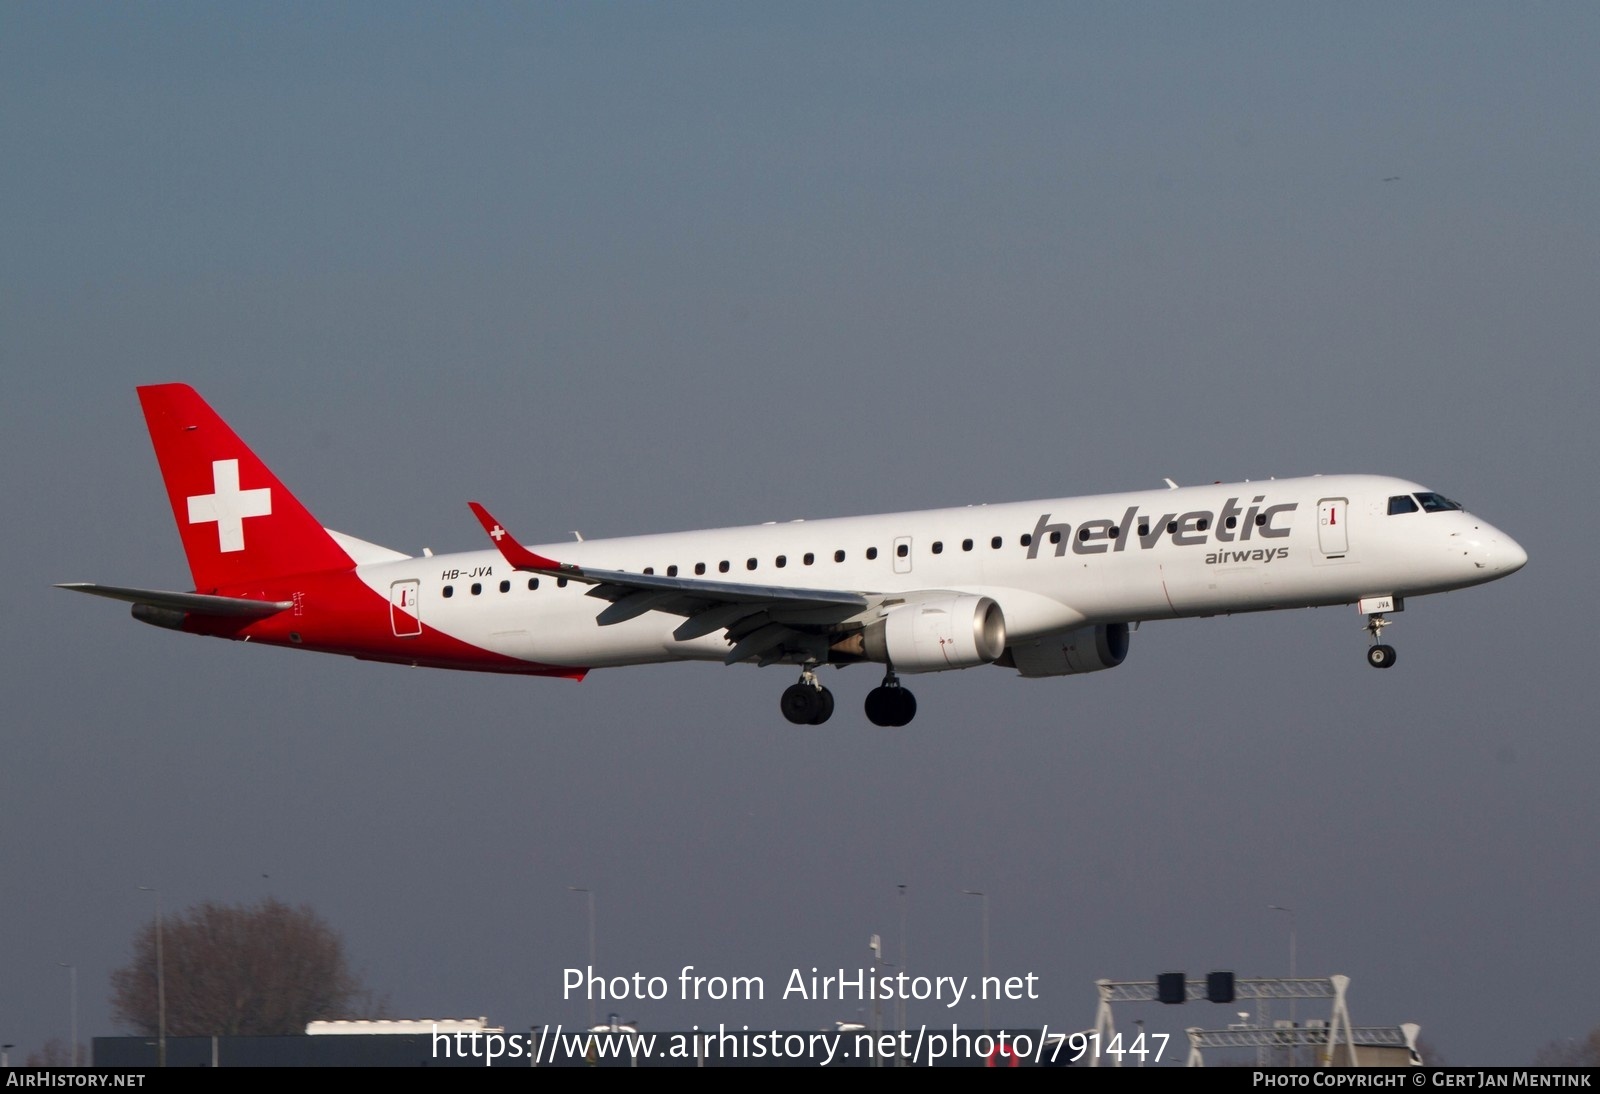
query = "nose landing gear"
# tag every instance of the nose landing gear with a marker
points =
(807, 703)
(1379, 655)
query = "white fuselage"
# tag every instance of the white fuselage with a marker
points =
(1051, 565)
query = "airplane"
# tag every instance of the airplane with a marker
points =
(1046, 588)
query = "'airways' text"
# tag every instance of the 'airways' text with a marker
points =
(1262, 555)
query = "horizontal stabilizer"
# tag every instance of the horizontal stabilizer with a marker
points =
(199, 603)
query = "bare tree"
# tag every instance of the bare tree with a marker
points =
(1431, 1057)
(249, 970)
(56, 1052)
(1571, 1052)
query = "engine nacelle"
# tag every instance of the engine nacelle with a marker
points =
(1066, 653)
(953, 632)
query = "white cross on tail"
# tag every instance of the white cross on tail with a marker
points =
(228, 505)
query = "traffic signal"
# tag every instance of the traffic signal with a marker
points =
(1172, 987)
(1219, 987)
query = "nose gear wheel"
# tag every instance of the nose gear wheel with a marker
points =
(1379, 655)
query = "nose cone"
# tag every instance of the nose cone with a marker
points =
(1496, 553)
(1510, 556)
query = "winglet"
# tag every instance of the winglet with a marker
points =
(515, 553)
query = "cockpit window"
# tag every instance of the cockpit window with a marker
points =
(1401, 503)
(1437, 503)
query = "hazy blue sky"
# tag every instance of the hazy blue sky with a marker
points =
(629, 268)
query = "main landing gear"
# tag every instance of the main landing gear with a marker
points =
(807, 703)
(890, 704)
(1379, 656)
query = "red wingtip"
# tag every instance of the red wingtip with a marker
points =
(513, 552)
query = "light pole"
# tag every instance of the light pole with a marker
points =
(1292, 939)
(72, 971)
(900, 996)
(875, 944)
(161, 984)
(590, 894)
(983, 985)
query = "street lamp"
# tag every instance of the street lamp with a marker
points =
(875, 944)
(72, 971)
(1292, 932)
(1281, 908)
(983, 985)
(161, 984)
(900, 997)
(590, 894)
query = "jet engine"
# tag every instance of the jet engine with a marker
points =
(952, 632)
(1067, 653)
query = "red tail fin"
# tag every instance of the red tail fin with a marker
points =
(238, 522)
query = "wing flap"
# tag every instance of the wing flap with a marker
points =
(713, 619)
(632, 605)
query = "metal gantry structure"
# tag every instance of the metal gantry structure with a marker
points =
(1328, 1037)
(1319, 1036)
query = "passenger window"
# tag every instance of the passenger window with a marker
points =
(1083, 535)
(1261, 519)
(533, 584)
(672, 571)
(447, 592)
(1027, 539)
(505, 586)
(722, 567)
(1232, 522)
(749, 564)
(872, 553)
(966, 545)
(1144, 529)
(1202, 524)
(781, 561)
(649, 569)
(838, 556)
(1055, 537)
(699, 568)
(901, 550)
(938, 547)
(995, 542)
(561, 583)
(809, 559)
(476, 588)
(1172, 527)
